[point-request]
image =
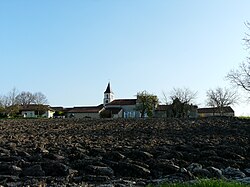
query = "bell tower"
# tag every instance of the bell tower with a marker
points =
(108, 95)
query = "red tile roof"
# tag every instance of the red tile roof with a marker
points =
(227, 109)
(122, 102)
(34, 107)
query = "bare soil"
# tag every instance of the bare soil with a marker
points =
(68, 152)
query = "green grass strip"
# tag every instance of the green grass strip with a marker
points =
(205, 183)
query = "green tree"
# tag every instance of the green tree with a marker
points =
(146, 103)
(12, 111)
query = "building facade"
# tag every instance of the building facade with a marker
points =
(85, 112)
(34, 111)
(215, 111)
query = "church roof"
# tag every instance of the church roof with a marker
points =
(86, 109)
(108, 89)
(122, 102)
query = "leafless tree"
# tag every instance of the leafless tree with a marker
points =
(184, 95)
(5, 101)
(247, 36)
(165, 99)
(241, 76)
(9, 102)
(40, 98)
(25, 98)
(1, 101)
(221, 98)
(12, 97)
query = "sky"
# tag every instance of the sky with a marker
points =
(70, 50)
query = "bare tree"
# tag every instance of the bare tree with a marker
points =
(184, 95)
(247, 37)
(1, 101)
(182, 100)
(12, 97)
(9, 103)
(221, 98)
(1, 105)
(241, 76)
(165, 99)
(40, 98)
(25, 98)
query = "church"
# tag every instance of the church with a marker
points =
(110, 108)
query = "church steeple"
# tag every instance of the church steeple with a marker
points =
(108, 90)
(108, 95)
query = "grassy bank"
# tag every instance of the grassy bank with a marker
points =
(205, 183)
(244, 117)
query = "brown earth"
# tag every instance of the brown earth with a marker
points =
(63, 152)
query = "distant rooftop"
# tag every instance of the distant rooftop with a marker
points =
(86, 109)
(215, 110)
(121, 102)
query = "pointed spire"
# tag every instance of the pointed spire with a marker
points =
(108, 89)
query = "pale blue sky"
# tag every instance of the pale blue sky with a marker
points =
(70, 50)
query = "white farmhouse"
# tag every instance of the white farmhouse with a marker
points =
(34, 111)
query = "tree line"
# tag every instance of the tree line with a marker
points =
(11, 102)
(181, 99)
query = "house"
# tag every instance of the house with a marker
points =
(215, 111)
(126, 107)
(163, 111)
(60, 112)
(166, 111)
(85, 112)
(112, 113)
(33, 111)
